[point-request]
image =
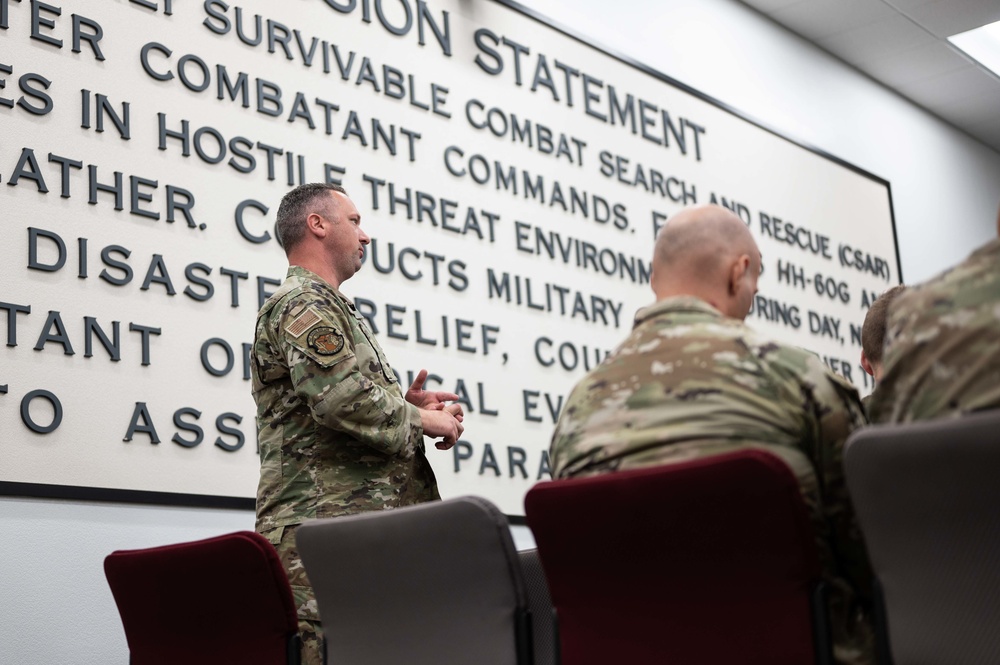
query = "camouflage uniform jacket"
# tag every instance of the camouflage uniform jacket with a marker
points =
(335, 434)
(942, 350)
(690, 382)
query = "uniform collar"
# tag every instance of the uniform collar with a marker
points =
(305, 274)
(677, 305)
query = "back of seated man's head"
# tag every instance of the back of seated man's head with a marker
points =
(873, 332)
(707, 252)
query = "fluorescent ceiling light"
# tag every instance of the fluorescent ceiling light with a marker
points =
(982, 45)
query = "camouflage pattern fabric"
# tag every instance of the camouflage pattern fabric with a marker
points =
(866, 401)
(942, 350)
(310, 631)
(688, 383)
(336, 436)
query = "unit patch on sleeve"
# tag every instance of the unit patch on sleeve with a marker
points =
(325, 341)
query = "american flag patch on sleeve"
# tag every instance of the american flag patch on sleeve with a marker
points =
(303, 322)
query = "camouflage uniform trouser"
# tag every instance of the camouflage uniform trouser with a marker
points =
(283, 539)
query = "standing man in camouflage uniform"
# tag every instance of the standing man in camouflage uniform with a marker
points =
(873, 338)
(692, 380)
(336, 433)
(942, 351)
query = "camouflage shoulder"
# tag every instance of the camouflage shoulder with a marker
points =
(909, 303)
(795, 359)
(807, 368)
(318, 328)
(833, 392)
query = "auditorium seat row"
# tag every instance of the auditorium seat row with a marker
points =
(704, 562)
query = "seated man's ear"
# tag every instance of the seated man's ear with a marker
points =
(867, 366)
(737, 272)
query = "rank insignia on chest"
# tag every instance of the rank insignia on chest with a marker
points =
(325, 341)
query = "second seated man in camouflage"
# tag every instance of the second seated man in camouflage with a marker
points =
(693, 380)
(337, 435)
(942, 344)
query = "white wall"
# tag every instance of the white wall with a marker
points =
(946, 187)
(57, 607)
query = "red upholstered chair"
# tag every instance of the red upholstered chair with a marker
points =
(219, 601)
(702, 562)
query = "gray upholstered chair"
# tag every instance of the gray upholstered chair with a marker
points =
(543, 615)
(927, 497)
(432, 584)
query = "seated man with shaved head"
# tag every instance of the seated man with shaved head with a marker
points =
(693, 380)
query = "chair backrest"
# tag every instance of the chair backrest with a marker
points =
(214, 601)
(434, 583)
(927, 497)
(707, 561)
(543, 616)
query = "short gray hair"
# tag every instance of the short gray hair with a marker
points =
(295, 206)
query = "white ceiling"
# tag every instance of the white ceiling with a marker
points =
(904, 45)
